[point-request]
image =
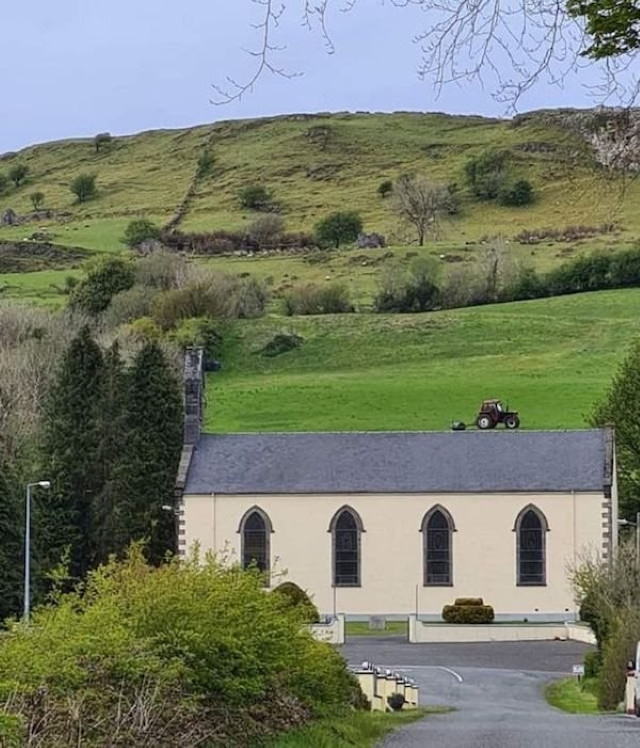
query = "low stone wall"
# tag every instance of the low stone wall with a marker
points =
(421, 632)
(331, 632)
(377, 685)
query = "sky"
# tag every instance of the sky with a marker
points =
(79, 67)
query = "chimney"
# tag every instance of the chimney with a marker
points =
(193, 394)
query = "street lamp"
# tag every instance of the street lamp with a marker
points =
(636, 524)
(27, 546)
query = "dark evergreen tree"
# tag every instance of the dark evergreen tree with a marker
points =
(110, 532)
(11, 544)
(71, 443)
(154, 428)
(621, 408)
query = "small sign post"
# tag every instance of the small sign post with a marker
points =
(578, 671)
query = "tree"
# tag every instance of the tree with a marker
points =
(4, 183)
(84, 187)
(110, 532)
(37, 200)
(266, 230)
(154, 419)
(11, 547)
(613, 25)
(420, 202)
(70, 449)
(140, 230)
(104, 280)
(339, 228)
(18, 173)
(256, 197)
(101, 140)
(621, 407)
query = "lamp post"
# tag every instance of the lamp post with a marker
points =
(27, 546)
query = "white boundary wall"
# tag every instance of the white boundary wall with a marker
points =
(332, 632)
(423, 633)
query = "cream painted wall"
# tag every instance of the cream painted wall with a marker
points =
(484, 546)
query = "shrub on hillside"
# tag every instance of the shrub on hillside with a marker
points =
(217, 296)
(102, 140)
(167, 656)
(199, 331)
(339, 228)
(486, 173)
(4, 183)
(516, 194)
(256, 197)
(414, 290)
(385, 188)
(37, 200)
(266, 231)
(129, 305)
(103, 281)
(84, 187)
(206, 163)
(140, 230)
(162, 270)
(18, 173)
(313, 299)
(296, 597)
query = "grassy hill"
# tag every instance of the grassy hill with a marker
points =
(316, 164)
(551, 359)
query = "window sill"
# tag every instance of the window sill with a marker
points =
(531, 584)
(347, 585)
(438, 584)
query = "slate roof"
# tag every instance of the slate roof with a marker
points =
(401, 462)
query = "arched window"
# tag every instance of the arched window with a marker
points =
(531, 528)
(437, 528)
(255, 529)
(346, 527)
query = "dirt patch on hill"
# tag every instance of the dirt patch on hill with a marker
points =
(27, 257)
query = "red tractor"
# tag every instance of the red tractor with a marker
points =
(493, 412)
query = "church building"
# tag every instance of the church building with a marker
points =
(400, 523)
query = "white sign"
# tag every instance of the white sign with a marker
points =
(578, 669)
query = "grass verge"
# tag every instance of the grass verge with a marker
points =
(361, 628)
(573, 697)
(353, 730)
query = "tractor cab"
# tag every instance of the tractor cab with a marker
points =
(494, 412)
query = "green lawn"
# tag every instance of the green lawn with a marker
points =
(573, 697)
(355, 730)
(551, 359)
(361, 628)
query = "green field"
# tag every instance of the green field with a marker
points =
(551, 359)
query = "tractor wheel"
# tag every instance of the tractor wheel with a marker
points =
(484, 422)
(512, 422)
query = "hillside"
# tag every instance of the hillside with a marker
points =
(551, 359)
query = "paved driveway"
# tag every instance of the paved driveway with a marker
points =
(497, 690)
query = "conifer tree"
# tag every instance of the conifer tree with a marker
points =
(110, 532)
(11, 545)
(70, 454)
(154, 428)
(621, 408)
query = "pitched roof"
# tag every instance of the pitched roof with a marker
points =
(401, 462)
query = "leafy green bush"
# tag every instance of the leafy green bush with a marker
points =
(37, 200)
(206, 162)
(486, 173)
(84, 187)
(101, 140)
(104, 280)
(4, 183)
(412, 291)
(477, 601)
(592, 664)
(618, 649)
(313, 299)
(338, 228)
(167, 656)
(385, 188)
(18, 173)
(129, 305)
(472, 612)
(199, 331)
(256, 197)
(516, 194)
(296, 597)
(140, 230)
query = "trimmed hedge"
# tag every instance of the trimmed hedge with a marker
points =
(468, 610)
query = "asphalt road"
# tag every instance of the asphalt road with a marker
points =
(497, 692)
